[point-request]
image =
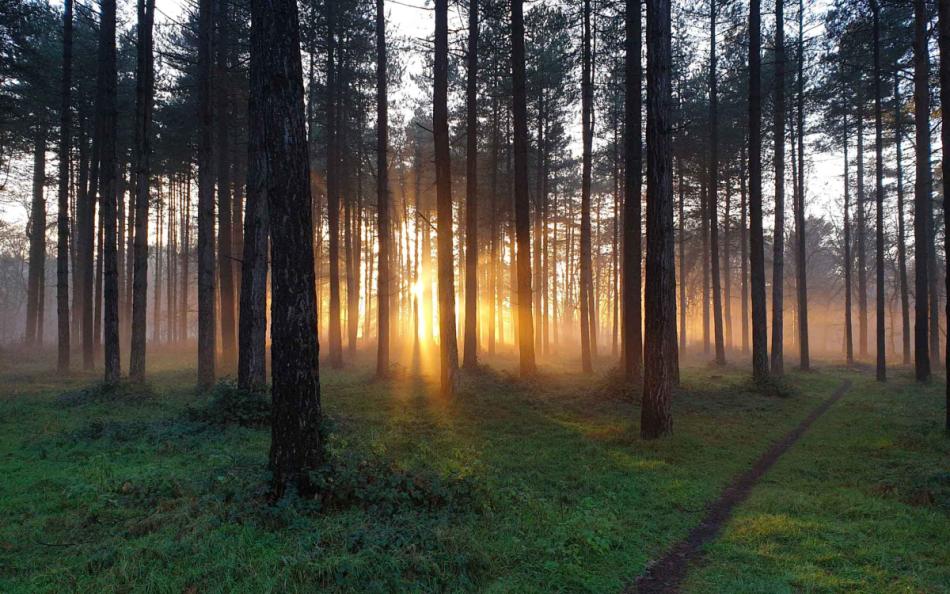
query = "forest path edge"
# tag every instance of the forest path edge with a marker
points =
(665, 574)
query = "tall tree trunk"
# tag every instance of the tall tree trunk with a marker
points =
(660, 355)
(144, 84)
(37, 236)
(922, 189)
(881, 370)
(62, 217)
(632, 344)
(778, 234)
(277, 86)
(522, 221)
(801, 266)
(335, 337)
(223, 155)
(107, 171)
(88, 251)
(944, 42)
(586, 280)
(185, 259)
(252, 322)
(848, 260)
(901, 226)
(382, 193)
(712, 202)
(744, 247)
(493, 233)
(704, 231)
(727, 265)
(470, 349)
(681, 188)
(448, 344)
(206, 313)
(760, 363)
(861, 238)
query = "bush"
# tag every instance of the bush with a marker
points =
(107, 393)
(380, 486)
(231, 405)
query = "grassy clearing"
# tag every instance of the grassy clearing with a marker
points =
(861, 504)
(511, 486)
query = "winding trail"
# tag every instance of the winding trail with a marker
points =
(666, 573)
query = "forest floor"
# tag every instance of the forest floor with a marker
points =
(512, 486)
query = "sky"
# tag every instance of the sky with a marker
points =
(413, 19)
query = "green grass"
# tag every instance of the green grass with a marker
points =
(860, 504)
(517, 486)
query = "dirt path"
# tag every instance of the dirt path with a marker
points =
(666, 573)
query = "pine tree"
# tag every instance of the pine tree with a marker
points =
(62, 217)
(144, 90)
(660, 354)
(382, 194)
(632, 323)
(448, 345)
(522, 224)
(760, 368)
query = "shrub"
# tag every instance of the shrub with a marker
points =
(231, 405)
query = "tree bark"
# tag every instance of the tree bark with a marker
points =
(62, 217)
(107, 172)
(382, 194)
(277, 87)
(848, 326)
(744, 247)
(901, 225)
(206, 280)
(632, 343)
(861, 237)
(335, 337)
(760, 364)
(778, 234)
(712, 202)
(37, 235)
(144, 84)
(922, 189)
(944, 43)
(470, 349)
(252, 322)
(586, 279)
(801, 266)
(522, 220)
(448, 345)
(881, 369)
(660, 354)
(222, 118)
